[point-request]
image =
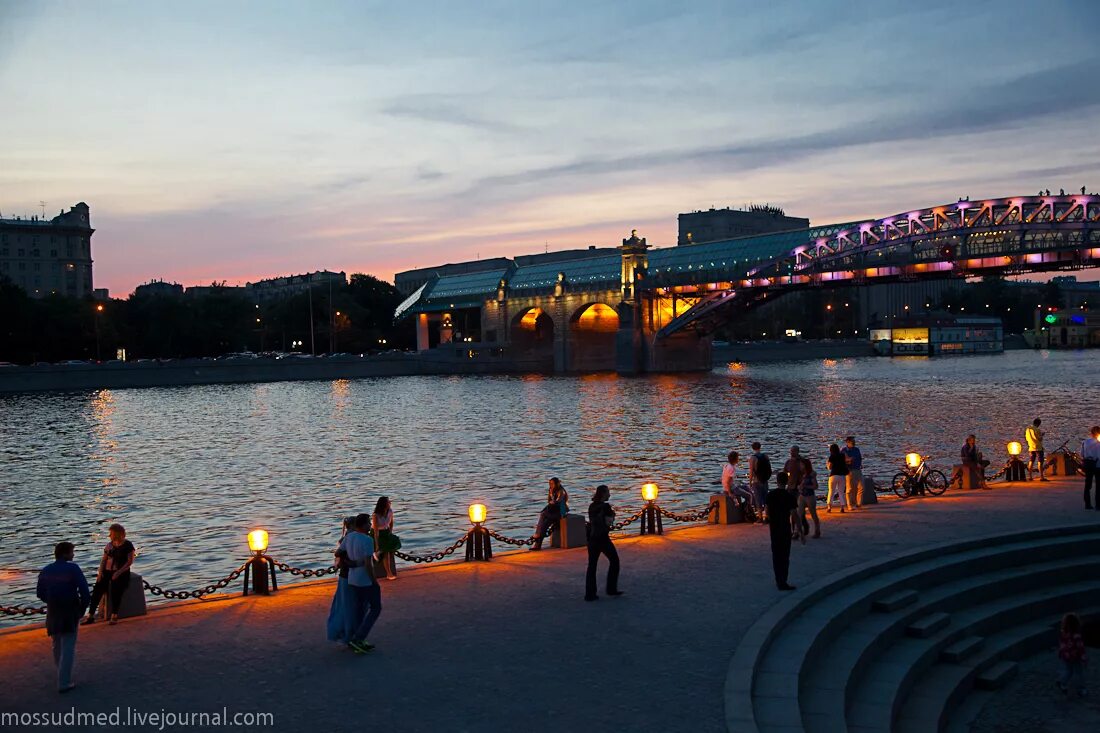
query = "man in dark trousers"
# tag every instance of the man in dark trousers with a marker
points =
(782, 506)
(64, 589)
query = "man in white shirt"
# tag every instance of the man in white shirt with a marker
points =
(365, 593)
(729, 480)
(1090, 452)
(1034, 437)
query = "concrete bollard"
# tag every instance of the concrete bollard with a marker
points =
(133, 599)
(1059, 466)
(569, 531)
(867, 493)
(727, 512)
(971, 477)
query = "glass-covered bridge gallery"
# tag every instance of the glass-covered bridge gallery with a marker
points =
(636, 309)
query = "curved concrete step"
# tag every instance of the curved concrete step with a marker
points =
(761, 683)
(875, 706)
(945, 698)
(848, 655)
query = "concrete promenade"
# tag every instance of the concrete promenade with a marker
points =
(506, 645)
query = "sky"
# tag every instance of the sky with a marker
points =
(240, 140)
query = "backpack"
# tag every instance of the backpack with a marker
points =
(763, 468)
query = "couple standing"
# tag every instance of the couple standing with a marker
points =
(358, 600)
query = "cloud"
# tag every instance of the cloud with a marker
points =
(446, 110)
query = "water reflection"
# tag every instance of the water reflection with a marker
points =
(191, 470)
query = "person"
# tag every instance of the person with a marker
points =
(729, 482)
(760, 472)
(366, 596)
(807, 498)
(114, 573)
(340, 622)
(601, 516)
(1034, 437)
(838, 478)
(387, 543)
(1090, 457)
(1071, 651)
(64, 589)
(854, 458)
(971, 461)
(793, 468)
(782, 511)
(557, 506)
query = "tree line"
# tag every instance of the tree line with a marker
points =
(354, 318)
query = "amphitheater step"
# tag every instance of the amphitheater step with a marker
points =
(996, 676)
(930, 624)
(962, 649)
(895, 601)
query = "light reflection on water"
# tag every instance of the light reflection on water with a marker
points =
(191, 470)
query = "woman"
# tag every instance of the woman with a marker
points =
(601, 516)
(386, 542)
(838, 477)
(557, 506)
(340, 614)
(807, 496)
(114, 573)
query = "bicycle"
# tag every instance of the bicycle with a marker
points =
(919, 479)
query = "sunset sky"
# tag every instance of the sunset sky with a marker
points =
(238, 140)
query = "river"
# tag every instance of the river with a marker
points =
(190, 470)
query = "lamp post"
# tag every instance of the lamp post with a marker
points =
(260, 567)
(477, 539)
(1016, 469)
(98, 312)
(651, 518)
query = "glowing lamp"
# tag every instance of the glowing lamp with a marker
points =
(1050, 318)
(1014, 448)
(912, 459)
(477, 513)
(257, 540)
(649, 492)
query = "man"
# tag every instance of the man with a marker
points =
(854, 458)
(760, 472)
(1090, 454)
(365, 593)
(1034, 437)
(782, 506)
(793, 469)
(729, 481)
(64, 589)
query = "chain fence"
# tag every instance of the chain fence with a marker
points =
(432, 557)
(305, 573)
(695, 516)
(198, 593)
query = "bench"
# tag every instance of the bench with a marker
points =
(133, 599)
(569, 531)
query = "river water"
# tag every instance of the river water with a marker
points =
(190, 470)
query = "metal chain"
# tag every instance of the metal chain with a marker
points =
(629, 520)
(198, 593)
(21, 611)
(695, 516)
(435, 555)
(305, 573)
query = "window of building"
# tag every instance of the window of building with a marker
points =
(70, 266)
(22, 253)
(35, 252)
(53, 253)
(37, 266)
(22, 265)
(4, 252)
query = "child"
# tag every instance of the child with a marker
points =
(1071, 650)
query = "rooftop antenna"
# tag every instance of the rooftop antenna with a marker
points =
(43, 205)
(546, 247)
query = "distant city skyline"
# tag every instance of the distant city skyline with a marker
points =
(242, 141)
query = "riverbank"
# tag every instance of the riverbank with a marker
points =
(504, 645)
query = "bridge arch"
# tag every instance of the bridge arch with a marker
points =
(532, 328)
(593, 328)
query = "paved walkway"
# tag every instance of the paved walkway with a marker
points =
(507, 645)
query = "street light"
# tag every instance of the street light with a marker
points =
(1016, 470)
(98, 311)
(651, 515)
(260, 567)
(477, 539)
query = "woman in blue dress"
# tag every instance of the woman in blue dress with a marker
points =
(341, 624)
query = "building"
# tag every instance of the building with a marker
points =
(158, 288)
(937, 334)
(714, 225)
(278, 288)
(409, 280)
(1064, 329)
(47, 257)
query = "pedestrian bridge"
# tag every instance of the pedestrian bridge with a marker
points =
(639, 309)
